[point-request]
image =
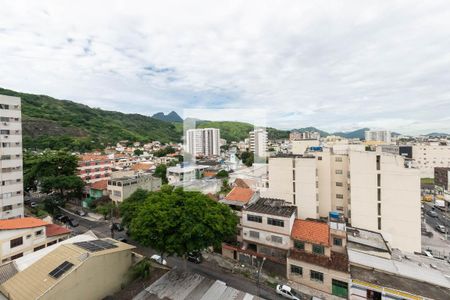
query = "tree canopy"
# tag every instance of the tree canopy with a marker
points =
(174, 221)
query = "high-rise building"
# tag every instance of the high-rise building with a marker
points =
(203, 142)
(304, 135)
(258, 142)
(373, 190)
(378, 136)
(11, 173)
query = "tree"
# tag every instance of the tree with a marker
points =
(53, 171)
(130, 206)
(161, 172)
(105, 209)
(174, 221)
(138, 152)
(222, 174)
(247, 158)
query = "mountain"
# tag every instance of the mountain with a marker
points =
(438, 134)
(356, 134)
(56, 124)
(171, 117)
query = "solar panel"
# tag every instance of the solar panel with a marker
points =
(61, 269)
(96, 245)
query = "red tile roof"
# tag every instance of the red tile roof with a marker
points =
(21, 223)
(54, 230)
(311, 231)
(92, 157)
(100, 185)
(240, 194)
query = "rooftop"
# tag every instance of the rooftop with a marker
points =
(366, 240)
(21, 223)
(55, 230)
(93, 157)
(100, 185)
(239, 182)
(271, 206)
(311, 231)
(240, 194)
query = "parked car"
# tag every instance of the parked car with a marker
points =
(287, 292)
(73, 223)
(117, 227)
(432, 214)
(63, 219)
(58, 217)
(33, 204)
(81, 213)
(158, 259)
(195, 257)
(440, 228)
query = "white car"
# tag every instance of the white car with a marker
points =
(158, 259)
(287, 292)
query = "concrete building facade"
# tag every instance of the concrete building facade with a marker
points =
(121, 188)
(378, 136)
(258, 142)
(11, 172)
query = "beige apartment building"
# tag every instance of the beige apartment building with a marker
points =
(427, 156)
(121, 188)
(11, 173)
(373, 190)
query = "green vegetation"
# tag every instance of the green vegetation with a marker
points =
(174, 221)
(59, 124)
(106, 209)
(161, 172)
(247, 158)
(230, 131)
(138, 152)
(53, 171)
(142, 269)
(222, 174)
(427, 181)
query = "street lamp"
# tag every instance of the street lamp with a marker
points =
(259, 274)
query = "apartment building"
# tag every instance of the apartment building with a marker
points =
(313, 261)
(299, 147)
(258, 142)
(427, 156)
(121, 188)
(21, 236)
(442, 178)
(202, 142)
(383, 136)
(93, 168)
(185, 173)
(373, 190)
(11, 172)
(305, 135)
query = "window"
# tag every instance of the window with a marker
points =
(379, 223)
(378, 162)
(378, 180)
(253, 218)
(117, 193)
(293, 187)
(276, 239)
(316, 276)
(337, 242)
(339, 184)
(339, 196)
(7, 207)
(379, 194)
(338, 159)
(51, 243)
(293, 175)
(318, 249)
(254, 234)
(38, 233)
(39, 248)
(296, 270)
(339, 172)
(275, 222)
(16, 242)
(319, 158)
(16, 256)
(299, 245)
(379, 209)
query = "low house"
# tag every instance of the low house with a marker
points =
(21, 236)
(90, 269)
(184, 173)
(313, 263)
(97, 190)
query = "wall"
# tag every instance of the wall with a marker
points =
(28, 243)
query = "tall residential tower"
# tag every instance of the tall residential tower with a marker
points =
(11, 173)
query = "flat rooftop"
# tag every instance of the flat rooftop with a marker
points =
(366, 240)
(271, 206)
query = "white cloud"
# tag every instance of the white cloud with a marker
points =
(333, 65)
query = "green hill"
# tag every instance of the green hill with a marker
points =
(55, 124)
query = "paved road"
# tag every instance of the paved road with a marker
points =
(442, 218)
(207, 269)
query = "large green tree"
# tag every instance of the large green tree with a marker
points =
(161, 172)
(174, 221)
(53, 171)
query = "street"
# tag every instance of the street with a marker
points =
(442, 218)
(207, 269)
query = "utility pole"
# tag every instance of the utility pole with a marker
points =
(259, 275)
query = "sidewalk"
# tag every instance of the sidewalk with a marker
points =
(93, 217)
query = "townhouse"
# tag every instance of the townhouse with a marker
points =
(94, 167)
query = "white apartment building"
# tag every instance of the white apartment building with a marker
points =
(258, 142)
(121, 188)
(11, 172)
(299, 147)
(427, 156)
(378, 136)
(305, 135)
(374, 191)
(203, 142)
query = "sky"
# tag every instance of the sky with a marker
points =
(335, 65)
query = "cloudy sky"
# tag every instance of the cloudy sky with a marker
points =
(336, 65)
